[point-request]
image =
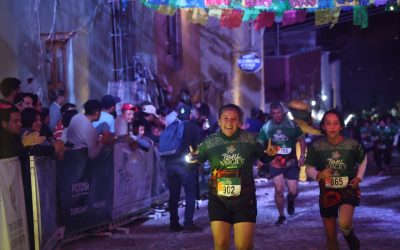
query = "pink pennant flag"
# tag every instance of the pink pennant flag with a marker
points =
(264, 19)
(303, 3)
(293, 16)
(258, 3)
(231, 18)
(216, 2)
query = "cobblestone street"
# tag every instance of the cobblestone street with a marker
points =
(376, 222)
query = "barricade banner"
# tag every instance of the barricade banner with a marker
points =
(85, 188)
(133, 171)
(45, 173)
(159, 188)
(13, 224)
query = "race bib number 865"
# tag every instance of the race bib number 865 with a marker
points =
(337, 182)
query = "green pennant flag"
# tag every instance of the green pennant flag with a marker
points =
(148, 5)
(250, 14)
(360, 16)
(235, 4)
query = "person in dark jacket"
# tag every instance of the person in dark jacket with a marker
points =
(180, 173)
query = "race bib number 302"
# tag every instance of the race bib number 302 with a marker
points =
(228, 186)
(337, 182)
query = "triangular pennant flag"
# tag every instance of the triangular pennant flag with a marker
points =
(293, 16)
(250, 14)
(264, 19)
(148, 5)
(342, 3)
(289, 17)
(298, 4)
(326, 4)
(279, 7)
(190, 3)
(197, 16)
(326, 16)
(218, 3)
(166, 10)
(257, 3)
(231, 18)
(322, 16)
(235, 4)
(335, 13)
(215, 13)
(360, 16)
(301, 16)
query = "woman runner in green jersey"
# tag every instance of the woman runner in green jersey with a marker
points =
(338, 164)
(231, 153)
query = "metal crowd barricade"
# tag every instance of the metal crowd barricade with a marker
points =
(77, 195)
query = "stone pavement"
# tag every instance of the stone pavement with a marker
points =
(376, 222)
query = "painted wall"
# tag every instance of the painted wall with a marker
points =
(89, 50)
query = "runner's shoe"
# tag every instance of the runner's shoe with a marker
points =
(280, 220)
(352, 241)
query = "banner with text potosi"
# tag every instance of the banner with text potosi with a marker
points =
(13, 223)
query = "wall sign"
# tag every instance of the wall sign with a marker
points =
(249, 62)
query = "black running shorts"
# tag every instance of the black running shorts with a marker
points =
(331, 199)
(220, 210)
(290, 173)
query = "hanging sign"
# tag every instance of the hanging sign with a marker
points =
(249, 62)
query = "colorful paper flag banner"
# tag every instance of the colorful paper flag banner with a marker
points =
(231, 18)
(264, 19)
(360, 16)
(326, 16)
(297, 4)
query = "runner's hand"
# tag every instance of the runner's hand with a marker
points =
(192, 156)
(324, 174)
(271, 149)
(355, 182)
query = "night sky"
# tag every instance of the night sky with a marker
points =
(370, 61)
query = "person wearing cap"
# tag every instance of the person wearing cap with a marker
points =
(180, 173)
(55, 109)
(106, 122)
(123, 125)
(148, 118)
(81, 132)
(231, 153)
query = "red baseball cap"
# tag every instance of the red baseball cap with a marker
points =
(127, 106)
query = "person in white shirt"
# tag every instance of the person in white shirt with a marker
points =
(81, 132)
